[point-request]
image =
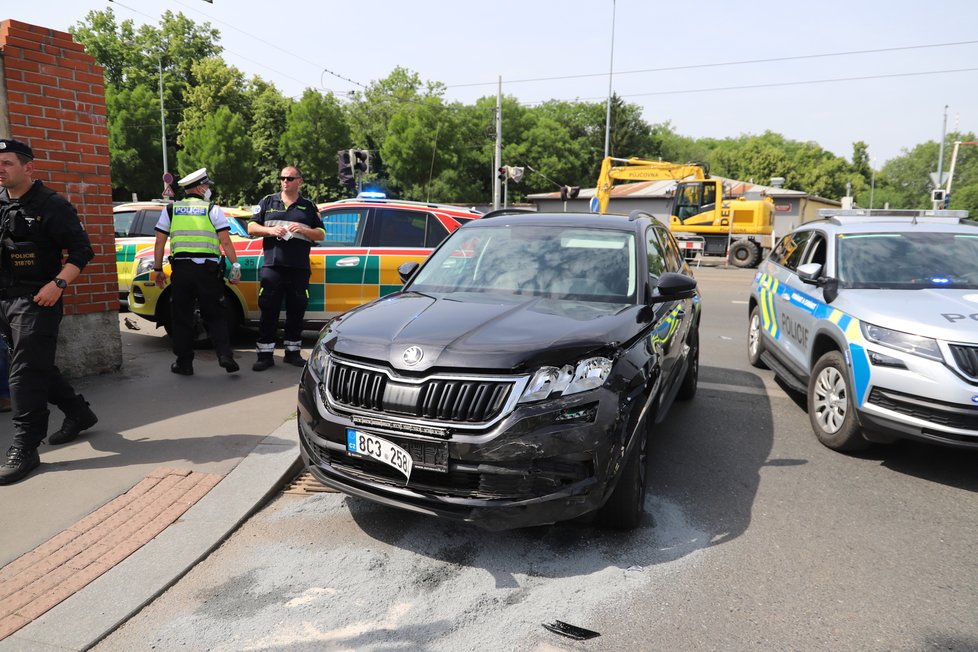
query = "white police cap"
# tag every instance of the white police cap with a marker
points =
(194, 179)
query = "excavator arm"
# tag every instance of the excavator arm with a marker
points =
(636, 169)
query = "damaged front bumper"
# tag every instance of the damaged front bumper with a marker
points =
(540, 464)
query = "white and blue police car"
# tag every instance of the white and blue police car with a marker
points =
(874, 316)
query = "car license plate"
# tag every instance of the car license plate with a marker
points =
(361, 443)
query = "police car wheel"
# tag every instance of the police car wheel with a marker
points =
(755, 345)
(830, 407)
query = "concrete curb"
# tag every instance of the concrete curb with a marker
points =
(93, 613)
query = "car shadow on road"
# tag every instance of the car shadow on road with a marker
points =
(703, 477)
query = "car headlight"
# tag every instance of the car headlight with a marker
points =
(144, 266)
(318, 360)
(925, 347)
(549, 382)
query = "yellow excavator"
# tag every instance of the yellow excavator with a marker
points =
(740, 228)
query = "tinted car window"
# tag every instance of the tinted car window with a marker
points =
(342, 227)
(674, 258)
(435, 233)
(399, 228)
(123, 222)
(656, 252)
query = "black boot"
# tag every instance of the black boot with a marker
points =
(20, 462)
(228, 364)
(78, 417)
(294, 358)
(264, 361)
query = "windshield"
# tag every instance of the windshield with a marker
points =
(566, 263)
(910, 260)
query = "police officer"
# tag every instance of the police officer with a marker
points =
(289, 224)
(36, 224)
(198, 231)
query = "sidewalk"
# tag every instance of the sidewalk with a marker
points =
(238, 429)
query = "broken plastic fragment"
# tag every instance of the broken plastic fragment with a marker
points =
(570, 631)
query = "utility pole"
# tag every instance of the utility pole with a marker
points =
(499, 146)
(611, 70)
(940, 156)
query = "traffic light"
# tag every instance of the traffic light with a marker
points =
(346, 175)
(569, 192)
(362, 157)
(503, 173)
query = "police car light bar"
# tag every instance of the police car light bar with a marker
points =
(372, 194)
(890, 213)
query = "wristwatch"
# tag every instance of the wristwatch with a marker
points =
(60, 282)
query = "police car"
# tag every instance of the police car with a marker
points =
(874, 316)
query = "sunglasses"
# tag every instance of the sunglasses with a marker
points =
(288, 178)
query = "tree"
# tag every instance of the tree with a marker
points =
(221, 144)
(315, 130)
(269, 111)
(133, 132)
(217, 85)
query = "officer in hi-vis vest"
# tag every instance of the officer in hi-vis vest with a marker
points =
(36, 225)
(198, 231)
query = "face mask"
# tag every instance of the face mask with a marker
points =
(207, 195)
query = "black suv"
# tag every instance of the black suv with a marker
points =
(513, 379)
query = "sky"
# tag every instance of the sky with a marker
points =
(833, 72)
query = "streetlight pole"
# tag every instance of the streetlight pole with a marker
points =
(159, 61)
(611, 70)
(872, 182)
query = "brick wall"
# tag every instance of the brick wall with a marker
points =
(53, 98)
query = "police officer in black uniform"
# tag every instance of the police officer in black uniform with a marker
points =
(36, 225)
(289, 224)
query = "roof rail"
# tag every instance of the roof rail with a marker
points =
(888, 212)
(508, 211)
(635, 214)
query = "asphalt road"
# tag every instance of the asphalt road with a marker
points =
(756, 537)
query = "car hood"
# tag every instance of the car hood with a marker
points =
(481, 331)
(939, 313)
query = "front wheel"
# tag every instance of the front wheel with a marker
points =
(625, 507)
(755, 343)
(830, 406)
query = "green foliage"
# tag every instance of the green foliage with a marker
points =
(269, 111)
(422, 147)
(315, 130)
(134, 132)
(222, 145)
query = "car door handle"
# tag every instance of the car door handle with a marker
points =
(352, 261)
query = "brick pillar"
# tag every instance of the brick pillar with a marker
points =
(52, 96)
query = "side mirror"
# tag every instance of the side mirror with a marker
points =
(673, 286)
(809, 273)
(407, 270)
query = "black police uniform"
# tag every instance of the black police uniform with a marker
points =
(285, 273)
(34, 229)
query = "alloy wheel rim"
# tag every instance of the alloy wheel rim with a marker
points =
(830, 400)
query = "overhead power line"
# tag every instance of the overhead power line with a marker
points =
(720, 64)
(778, 84)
